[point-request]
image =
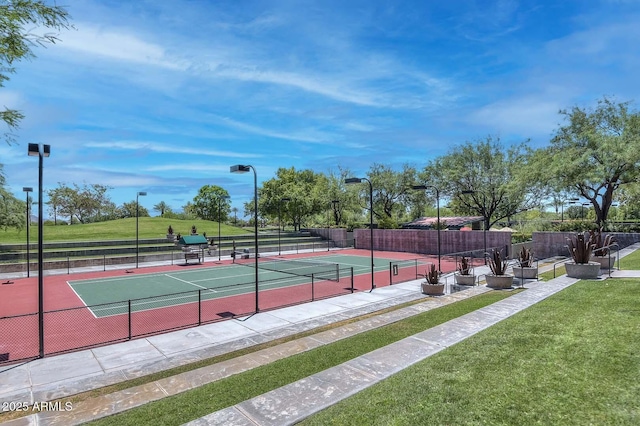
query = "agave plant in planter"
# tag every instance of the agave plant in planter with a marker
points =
(170, 235)
(432, 286)
(465, 274)
(580, 248)
(601, 249)
(499, 277)
(525, 269)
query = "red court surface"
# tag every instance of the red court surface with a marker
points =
(70, 325)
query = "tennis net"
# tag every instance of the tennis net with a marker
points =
(302, 268)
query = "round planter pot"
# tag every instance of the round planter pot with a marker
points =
(526, 272)
(583, 271)
(605, 262)
(432, 289)
(466, 279)
(499, 281)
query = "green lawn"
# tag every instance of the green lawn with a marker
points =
(217, 395)
(148, 227)
(631, 261)
(573, 359)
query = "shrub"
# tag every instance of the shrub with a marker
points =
(580, 247)
(497, 264)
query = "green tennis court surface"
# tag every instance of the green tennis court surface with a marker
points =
(111, 296)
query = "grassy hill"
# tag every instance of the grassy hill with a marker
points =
(121, 229)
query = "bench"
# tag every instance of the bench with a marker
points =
(191, 255)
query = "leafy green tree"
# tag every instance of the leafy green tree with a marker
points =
(495, 179)
(131, 208)
(305, 191)
(594, 153)
(629, 198)
(391, 189)
(12, 211)
(212, 203)
(85, 203)
(18, 20)
(188, 211)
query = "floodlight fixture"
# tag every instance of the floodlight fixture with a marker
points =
(352, 180)
(239, 168)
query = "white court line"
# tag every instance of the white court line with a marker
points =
(189, 282)
(81, 299)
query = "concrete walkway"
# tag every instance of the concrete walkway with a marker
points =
(64, 375)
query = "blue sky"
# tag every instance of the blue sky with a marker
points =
(164, 96)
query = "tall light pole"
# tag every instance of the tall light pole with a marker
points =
(349, 181)
(28, 189)
(583, 206)
(571, 201)
(138, 194)
(223, 197)
(239, 168)
(279, 215)
(484, 227)
(425, 187)
(41, 151)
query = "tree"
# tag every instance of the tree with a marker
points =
(494, 178)
(305, 190)
(12, 211)
(235, 215)
(596, 152)
(391, 190)
(131, 209)
(84, 203)
(17, 21)
(162, 207)
(212, 203)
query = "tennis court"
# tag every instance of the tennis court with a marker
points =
(119, 295)
(98, 308)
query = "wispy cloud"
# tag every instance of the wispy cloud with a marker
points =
(118, 45)
(165, 149)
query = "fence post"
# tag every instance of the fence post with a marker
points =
(129, 303)
(313, 295)
(390, 273)
(104, 262)
(68, 265)
(200, 307)
(352, 279)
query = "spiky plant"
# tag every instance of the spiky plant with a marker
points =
(432, 275)
(601, 244)
(581, 246)
(497, 264)
(525, 258)
(464, 266)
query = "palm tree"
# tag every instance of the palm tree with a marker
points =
(161, 207)
(235, 215)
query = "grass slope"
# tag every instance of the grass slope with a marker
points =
(120, 229)
(572, 359)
